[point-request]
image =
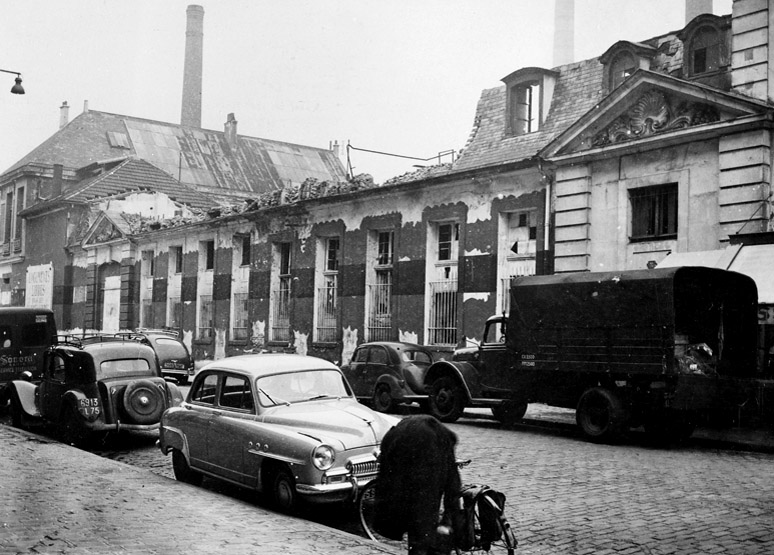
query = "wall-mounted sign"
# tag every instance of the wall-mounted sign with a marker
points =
(40, 286)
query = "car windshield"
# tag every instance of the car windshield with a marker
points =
(297, 387)
(124, 367)
(417, 357)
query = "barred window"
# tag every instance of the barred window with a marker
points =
(205, 317)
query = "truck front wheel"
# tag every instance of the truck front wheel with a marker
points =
(446, 399)
(601, 415)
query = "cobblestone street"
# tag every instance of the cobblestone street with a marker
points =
(565, 495)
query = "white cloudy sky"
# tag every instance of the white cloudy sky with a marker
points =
(398, 76)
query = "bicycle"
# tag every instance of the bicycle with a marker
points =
(488, 528)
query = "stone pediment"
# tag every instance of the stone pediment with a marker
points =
(103, 230)
(647, 105)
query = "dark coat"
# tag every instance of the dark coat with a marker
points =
(417, 468)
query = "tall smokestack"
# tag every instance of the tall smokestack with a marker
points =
(191, 114)
(564, 32)
(694, 8)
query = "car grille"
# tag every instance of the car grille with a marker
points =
(363, 468)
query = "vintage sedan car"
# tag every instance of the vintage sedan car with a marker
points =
(386, 374)
(283, 424)
(93, 385)
(173, 357)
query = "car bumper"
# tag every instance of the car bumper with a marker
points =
(334, 492)
(119, 426)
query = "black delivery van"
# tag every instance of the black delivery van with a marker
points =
(25, 334)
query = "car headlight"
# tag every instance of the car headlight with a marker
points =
(323, 457)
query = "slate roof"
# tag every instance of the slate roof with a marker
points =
(135, 175)
(578, 89)
(198, 157)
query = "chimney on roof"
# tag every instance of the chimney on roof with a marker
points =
(56, 183)
(191, 113)
(64, 114)
(694, 8)
(564, 32)
(230, 130)
(85, 106)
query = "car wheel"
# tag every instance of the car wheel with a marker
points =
(446, 399)
(283, 490)
(383, 401)
(509, 412)
(601, 415)
(183, 471)
(72, 431)
(143, 402)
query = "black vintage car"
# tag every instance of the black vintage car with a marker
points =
(388, 373)
(93, 386)
(174, 358)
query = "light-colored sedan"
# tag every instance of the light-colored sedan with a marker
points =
(287, 425)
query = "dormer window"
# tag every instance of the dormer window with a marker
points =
(705, 51)
(621, 69)
(529, 97)
(624, 58)
(525, 115)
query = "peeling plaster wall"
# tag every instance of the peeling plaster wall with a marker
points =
(349, 343)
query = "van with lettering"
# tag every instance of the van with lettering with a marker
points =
(25, 334)
(662, 348)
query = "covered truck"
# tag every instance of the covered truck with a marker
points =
(659, 348)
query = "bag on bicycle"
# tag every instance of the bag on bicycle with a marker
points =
(489, 505)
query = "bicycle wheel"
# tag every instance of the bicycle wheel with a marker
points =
(366, 512)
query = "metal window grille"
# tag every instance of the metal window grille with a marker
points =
(379, 326)
(327, 298)
(280, 311)
(239, 306)
(205, 317)
(175, 312)
(654, 212)
(442, 329)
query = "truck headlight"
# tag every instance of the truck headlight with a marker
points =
(323, 457)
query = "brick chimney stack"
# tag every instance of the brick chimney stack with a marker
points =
(695, 8)
(64, 114)
(564, 32)
(191, 113)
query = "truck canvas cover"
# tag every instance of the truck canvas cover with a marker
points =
(636, 321)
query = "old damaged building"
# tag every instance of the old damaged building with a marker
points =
(653, 149)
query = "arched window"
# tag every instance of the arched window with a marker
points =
(705, 51)
(622, 67)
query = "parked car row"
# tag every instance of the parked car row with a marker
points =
(287, 425)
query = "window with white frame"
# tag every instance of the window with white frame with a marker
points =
(205, 322)
(326, 314)
(174, 312)
(280, 293)
(207, 255)
(517, 246)
(240, 273)
(176, 259)
(379, 271)
(525, 108)
(442, 283)
(147, 267)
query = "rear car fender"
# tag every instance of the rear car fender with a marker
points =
(25, 393)
(90, 408)
(397, 391)
(175, 396)
(465, 373)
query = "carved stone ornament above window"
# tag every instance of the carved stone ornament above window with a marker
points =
(105, 232)
(653, 113)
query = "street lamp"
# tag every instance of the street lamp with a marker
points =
(17, 88)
